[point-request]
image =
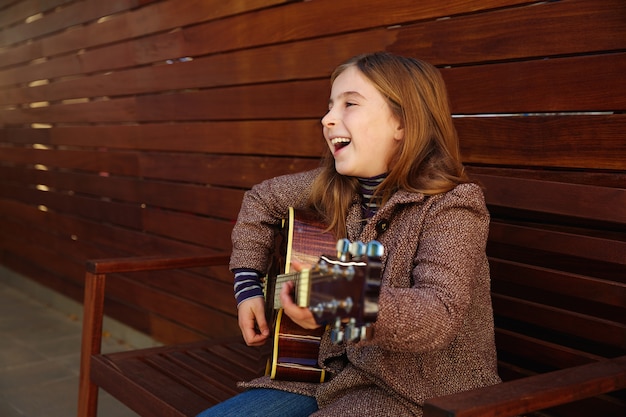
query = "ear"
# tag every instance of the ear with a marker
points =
(399, 133)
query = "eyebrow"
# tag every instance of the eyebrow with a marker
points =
(346, 94)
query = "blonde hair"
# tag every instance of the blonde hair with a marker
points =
(428, 160)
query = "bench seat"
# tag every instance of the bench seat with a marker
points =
(179, 380)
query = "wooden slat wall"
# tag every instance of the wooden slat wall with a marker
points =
(133, 127)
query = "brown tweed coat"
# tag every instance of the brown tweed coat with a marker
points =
(434, 332)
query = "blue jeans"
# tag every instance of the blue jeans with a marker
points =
(264, 402)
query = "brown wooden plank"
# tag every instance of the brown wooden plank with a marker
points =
(153, 18)
(203, 384)
(297, 99)
(188, 228)
(537, 86)
(123, 163)
(307, 59)
(545, 85)
(51, 270)
(561, 242)
(551, 356)
(533, 140)
(199, 360)
(258, 102)
(604, 405)
(564, 283)
(156, 397)
(27, 267)
(194, 316)
(117, 240)
(597, 330)
(530, 394)
(26, 135)
(68, 16)
(315, 58)
(550, 259)
(6, 3)
(304, 18)
(96, 111)
(176, 44)
(209, 201)
(18, 235)
(615, 179)
(545, 141)
(22, 10)
(56, 68)
(47, 258)
(537, 23)
(194, 287)
(198, 168)
(122, 214)
(557, 198)
(159, 327)
(515, 33)
(238, 137)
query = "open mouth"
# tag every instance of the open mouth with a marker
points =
(339, 143)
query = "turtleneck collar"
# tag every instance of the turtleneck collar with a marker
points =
(367, 187)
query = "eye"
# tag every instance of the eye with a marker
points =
(349, 104)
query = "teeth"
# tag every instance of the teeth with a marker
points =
(337, 141)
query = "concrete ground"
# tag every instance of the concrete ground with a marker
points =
(39, 358)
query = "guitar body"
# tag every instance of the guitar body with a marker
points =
(295, 350)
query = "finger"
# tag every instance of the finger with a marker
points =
(285, 294)
(261, 323)
(297, 265)
(251, 336)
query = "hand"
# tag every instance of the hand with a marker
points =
(252, 321)
(302, 316)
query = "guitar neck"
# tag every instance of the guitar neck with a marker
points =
(302, 284)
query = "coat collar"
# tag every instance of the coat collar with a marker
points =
(366, 230)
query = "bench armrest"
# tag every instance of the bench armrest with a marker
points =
(153, 263)
(533, 393)
(93, 308)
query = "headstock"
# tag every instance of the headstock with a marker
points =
(343, 291)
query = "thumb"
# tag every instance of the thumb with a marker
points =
(261, 322)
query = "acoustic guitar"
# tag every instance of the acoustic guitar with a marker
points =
(341, 290)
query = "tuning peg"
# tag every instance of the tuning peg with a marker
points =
(367, 331)
(336, 333)
(322, 266)
(348, 273)
(332, 306)
(375, 249)
(357, 249)
(352, 331)
(328, 307)
(343, 247)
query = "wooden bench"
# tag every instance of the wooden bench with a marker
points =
(558, 259)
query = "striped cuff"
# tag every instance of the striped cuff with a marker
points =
(247, 284)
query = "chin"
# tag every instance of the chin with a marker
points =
(342, 171)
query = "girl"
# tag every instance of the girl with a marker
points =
(392, 172)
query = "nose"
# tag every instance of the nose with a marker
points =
(328, 120)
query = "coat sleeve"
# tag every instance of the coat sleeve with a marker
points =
(450, 268)
(262, 210)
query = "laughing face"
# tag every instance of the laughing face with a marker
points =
(360, 128)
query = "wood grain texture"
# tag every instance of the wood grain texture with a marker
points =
(134, 128)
